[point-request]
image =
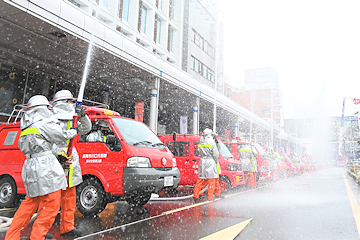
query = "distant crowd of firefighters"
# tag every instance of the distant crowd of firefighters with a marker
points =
(286, 165)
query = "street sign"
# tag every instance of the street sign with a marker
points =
(348, 118)
(356, 101)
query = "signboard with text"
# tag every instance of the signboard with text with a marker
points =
(227, 135)
(183, 125)
(139, 111)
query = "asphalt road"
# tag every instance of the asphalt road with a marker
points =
(316, 205)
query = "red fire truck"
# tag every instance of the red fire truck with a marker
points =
(130, 165)
(184, 148)
(290, 167)
(263, 164)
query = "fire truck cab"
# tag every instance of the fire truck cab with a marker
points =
(263, 164)
(129, 165)
(184, 148)
(290, 167)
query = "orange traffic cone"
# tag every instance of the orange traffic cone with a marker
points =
(251, 181)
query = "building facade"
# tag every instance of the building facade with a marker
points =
(261, 95)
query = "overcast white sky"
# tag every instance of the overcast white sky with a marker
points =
(314, 45)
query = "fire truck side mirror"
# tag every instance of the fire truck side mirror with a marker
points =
(113, 142)
(174, 136)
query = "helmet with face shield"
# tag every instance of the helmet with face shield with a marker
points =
(37, 100)
(63, 95)
(207, 132)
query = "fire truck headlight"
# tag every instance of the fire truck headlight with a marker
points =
(140, 162)
(174, 162)
(233, 167)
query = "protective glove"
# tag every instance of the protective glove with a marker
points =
(79, 110)
(76, 128)
(63, 158)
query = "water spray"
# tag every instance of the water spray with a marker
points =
(82, 87)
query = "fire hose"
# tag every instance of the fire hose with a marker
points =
(5, 223)
(155, 197)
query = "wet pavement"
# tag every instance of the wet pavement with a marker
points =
(312, 206)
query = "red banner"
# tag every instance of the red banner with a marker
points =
(227, 135)
(139, 111)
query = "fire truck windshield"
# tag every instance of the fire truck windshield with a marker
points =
(224, 151)
(260, 149)
(137, 133)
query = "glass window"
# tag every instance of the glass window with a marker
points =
(171, 39)
(143, 19)
(158, 30)
(159, 4)
(75, 3)
(196, 151)
(104, 2)
(211, 51)
(10, 138)
(254, 152)
(205, 46)
(171, 9)
(205, 71)
(229, 146)
(97, 133)
(179, 149)
(260, 149)
(265, 111)
(265, 99)
(196, 65)
(125, 10)
(201, 45)
(196, 38)
(192, 62)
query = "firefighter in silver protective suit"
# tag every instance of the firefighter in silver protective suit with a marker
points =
(208, 172)
(64, 111)
(42, 173)
(100, 134)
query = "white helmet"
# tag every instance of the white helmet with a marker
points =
(37, 100)
(207, 131)
(63, 95)
(104, 124)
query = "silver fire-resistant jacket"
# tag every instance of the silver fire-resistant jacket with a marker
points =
(64, 112)
(246, 158)
(96, 136)
(209, 157)
(41, 173)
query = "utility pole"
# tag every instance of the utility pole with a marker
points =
(341, 128)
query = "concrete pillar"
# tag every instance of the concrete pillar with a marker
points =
(196, 116)
(154, 104)
(195, 120)
(237, 127)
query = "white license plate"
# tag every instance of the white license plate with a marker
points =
(168, 181)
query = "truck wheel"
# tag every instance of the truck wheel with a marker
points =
(224, 184)
(8, 192)
(90, 197)
(138, 199)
